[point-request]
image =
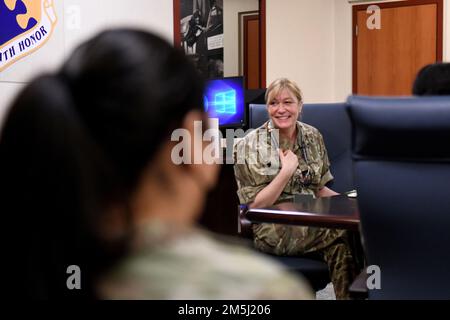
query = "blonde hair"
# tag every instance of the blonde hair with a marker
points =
(283, 83)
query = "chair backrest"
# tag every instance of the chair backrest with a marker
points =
(401, 158)
(331, 119)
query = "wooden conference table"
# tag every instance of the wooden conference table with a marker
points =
(340, 212)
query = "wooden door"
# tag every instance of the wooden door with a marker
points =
(252, 72)
(386, 60)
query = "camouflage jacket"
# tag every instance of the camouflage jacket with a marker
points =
(185, 264)
(257, 163)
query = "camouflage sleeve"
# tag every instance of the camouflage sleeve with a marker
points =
(256, 276)
(250, 176)
(326, 175)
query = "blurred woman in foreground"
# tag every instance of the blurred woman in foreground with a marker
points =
(92, 194)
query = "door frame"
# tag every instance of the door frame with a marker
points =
(245, 35)
(396, 4)
(262, 43)
(262, 35)
(241, 16)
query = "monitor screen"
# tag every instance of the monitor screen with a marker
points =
(224, 99)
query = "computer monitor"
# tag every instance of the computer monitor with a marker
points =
(224, 99)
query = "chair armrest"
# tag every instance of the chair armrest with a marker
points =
(244, 225)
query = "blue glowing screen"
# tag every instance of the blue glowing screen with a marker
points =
(224, 99)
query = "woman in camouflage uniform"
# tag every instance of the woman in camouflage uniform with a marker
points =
(282, 158)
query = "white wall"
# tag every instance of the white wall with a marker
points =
(300, 45)
(77, 21)
(343, 50)
(310, 41)
(446, 56)
(231, 9)
(307, 40)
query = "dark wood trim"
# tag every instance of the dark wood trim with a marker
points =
(355, 50)
(262, 42)
(407, 3)
(302, 219)
(246, 19)
(245, 31)
(176, 23)
(338, 212)
(440, 31)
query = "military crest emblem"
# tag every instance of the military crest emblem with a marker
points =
(25, 26)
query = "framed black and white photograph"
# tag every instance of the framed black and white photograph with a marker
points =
(198, 27)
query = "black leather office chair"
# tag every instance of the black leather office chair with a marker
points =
(402, 172)
(333, 122)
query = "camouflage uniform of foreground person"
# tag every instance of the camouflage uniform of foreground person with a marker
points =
(270, 169)
(87, 173)
(187, 263)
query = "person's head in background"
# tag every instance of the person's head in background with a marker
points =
(433, 79)
(85, 159)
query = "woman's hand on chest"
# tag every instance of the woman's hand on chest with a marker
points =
(289, 162)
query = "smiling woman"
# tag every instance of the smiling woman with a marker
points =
(284, 104)
(305, 170)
